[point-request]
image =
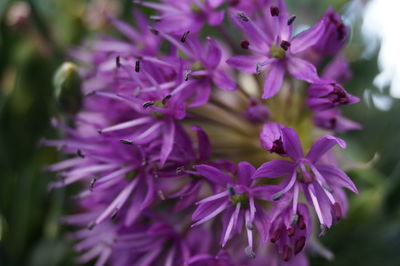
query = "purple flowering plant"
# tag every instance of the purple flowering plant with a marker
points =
(190, 150)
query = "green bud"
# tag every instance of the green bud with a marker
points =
(67, 88)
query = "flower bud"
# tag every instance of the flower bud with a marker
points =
(67, 88)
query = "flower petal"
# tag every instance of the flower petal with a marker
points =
(216, 18)
(291, 144)
(307, 38)
(302, 69)
(336, 176)
(275, 168)
(213, 174)
(323, 145)
(223, 81)
(246, 171)
(168, 142)
(213, 54)
(273, 80)
(245, 63)
(204, 145)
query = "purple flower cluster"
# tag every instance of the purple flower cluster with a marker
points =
(166, 145)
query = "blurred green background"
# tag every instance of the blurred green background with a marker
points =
(34, 38)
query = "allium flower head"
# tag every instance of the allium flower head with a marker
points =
(164, 137)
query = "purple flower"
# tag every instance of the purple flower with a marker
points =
(237, 200)
(328, 94)
(185, 15)
(256, 112)
(337, 70)
(334, 35)
(289, 228)
(277, 49)
(318, 181)
(333, 120)
(271, 138)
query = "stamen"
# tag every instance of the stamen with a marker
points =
(165, 99)
(294, 219)
(148, 104)
(137, 66)
(299, 245)
(187, 74)
(249, 226)
(291, 20)
(91, 225)
(301, 223)
(277, 196)
(231, 190)
(250, 252)
(243, 17)
(285, 45)
(184, 36)
(274, 11)
(92, 182)
(287, 253)
(245, 44)
(80, 154)
(118, 61)
(277, 146)
(290, 231)
(341, 30)
(258, 68)
(156, 18)
(124, 141)
(179, 170)
(154, 31)
(249, 249)
(114, 214)
(276, 235)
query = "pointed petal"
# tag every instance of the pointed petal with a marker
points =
(213, 174)
(245, 63)
(307, 38)
(265, 192)
(125, 28)
(291, 143)
(336, 176)
(216, 18)
(302, 70)
(273, 80)
(213, 54)
(168, 142)
(257, 37)
(223, 81)
(323, 145)
(275, 168)
(246, 171)
(202, 91)
(204, 145)
(217, 211)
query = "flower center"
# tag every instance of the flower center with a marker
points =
(243, 199)
(277, 51)
(304, 174)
